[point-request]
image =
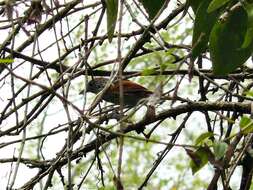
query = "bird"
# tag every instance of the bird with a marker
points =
(132, 92)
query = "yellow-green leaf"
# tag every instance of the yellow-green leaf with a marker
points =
(246, 125)
(203, 137)
(147, 71)
(219, 149)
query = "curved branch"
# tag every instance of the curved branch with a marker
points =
(173, 112)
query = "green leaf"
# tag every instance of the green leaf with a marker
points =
(199, 158)
(249, 93)
(219, 149)
(167, 65)
(152, 6)
(244, 122)
(249, 34)
(226, 39)
(203, 137)
(194, 4)
(202, 27)
(6, 61)
(246, 125)
(215, 4)
(112, 13)
(147, 71)
(248, 38)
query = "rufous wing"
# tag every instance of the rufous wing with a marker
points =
(129, 86)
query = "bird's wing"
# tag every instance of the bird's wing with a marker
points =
(128, 86)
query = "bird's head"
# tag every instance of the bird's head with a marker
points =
(96, 85)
